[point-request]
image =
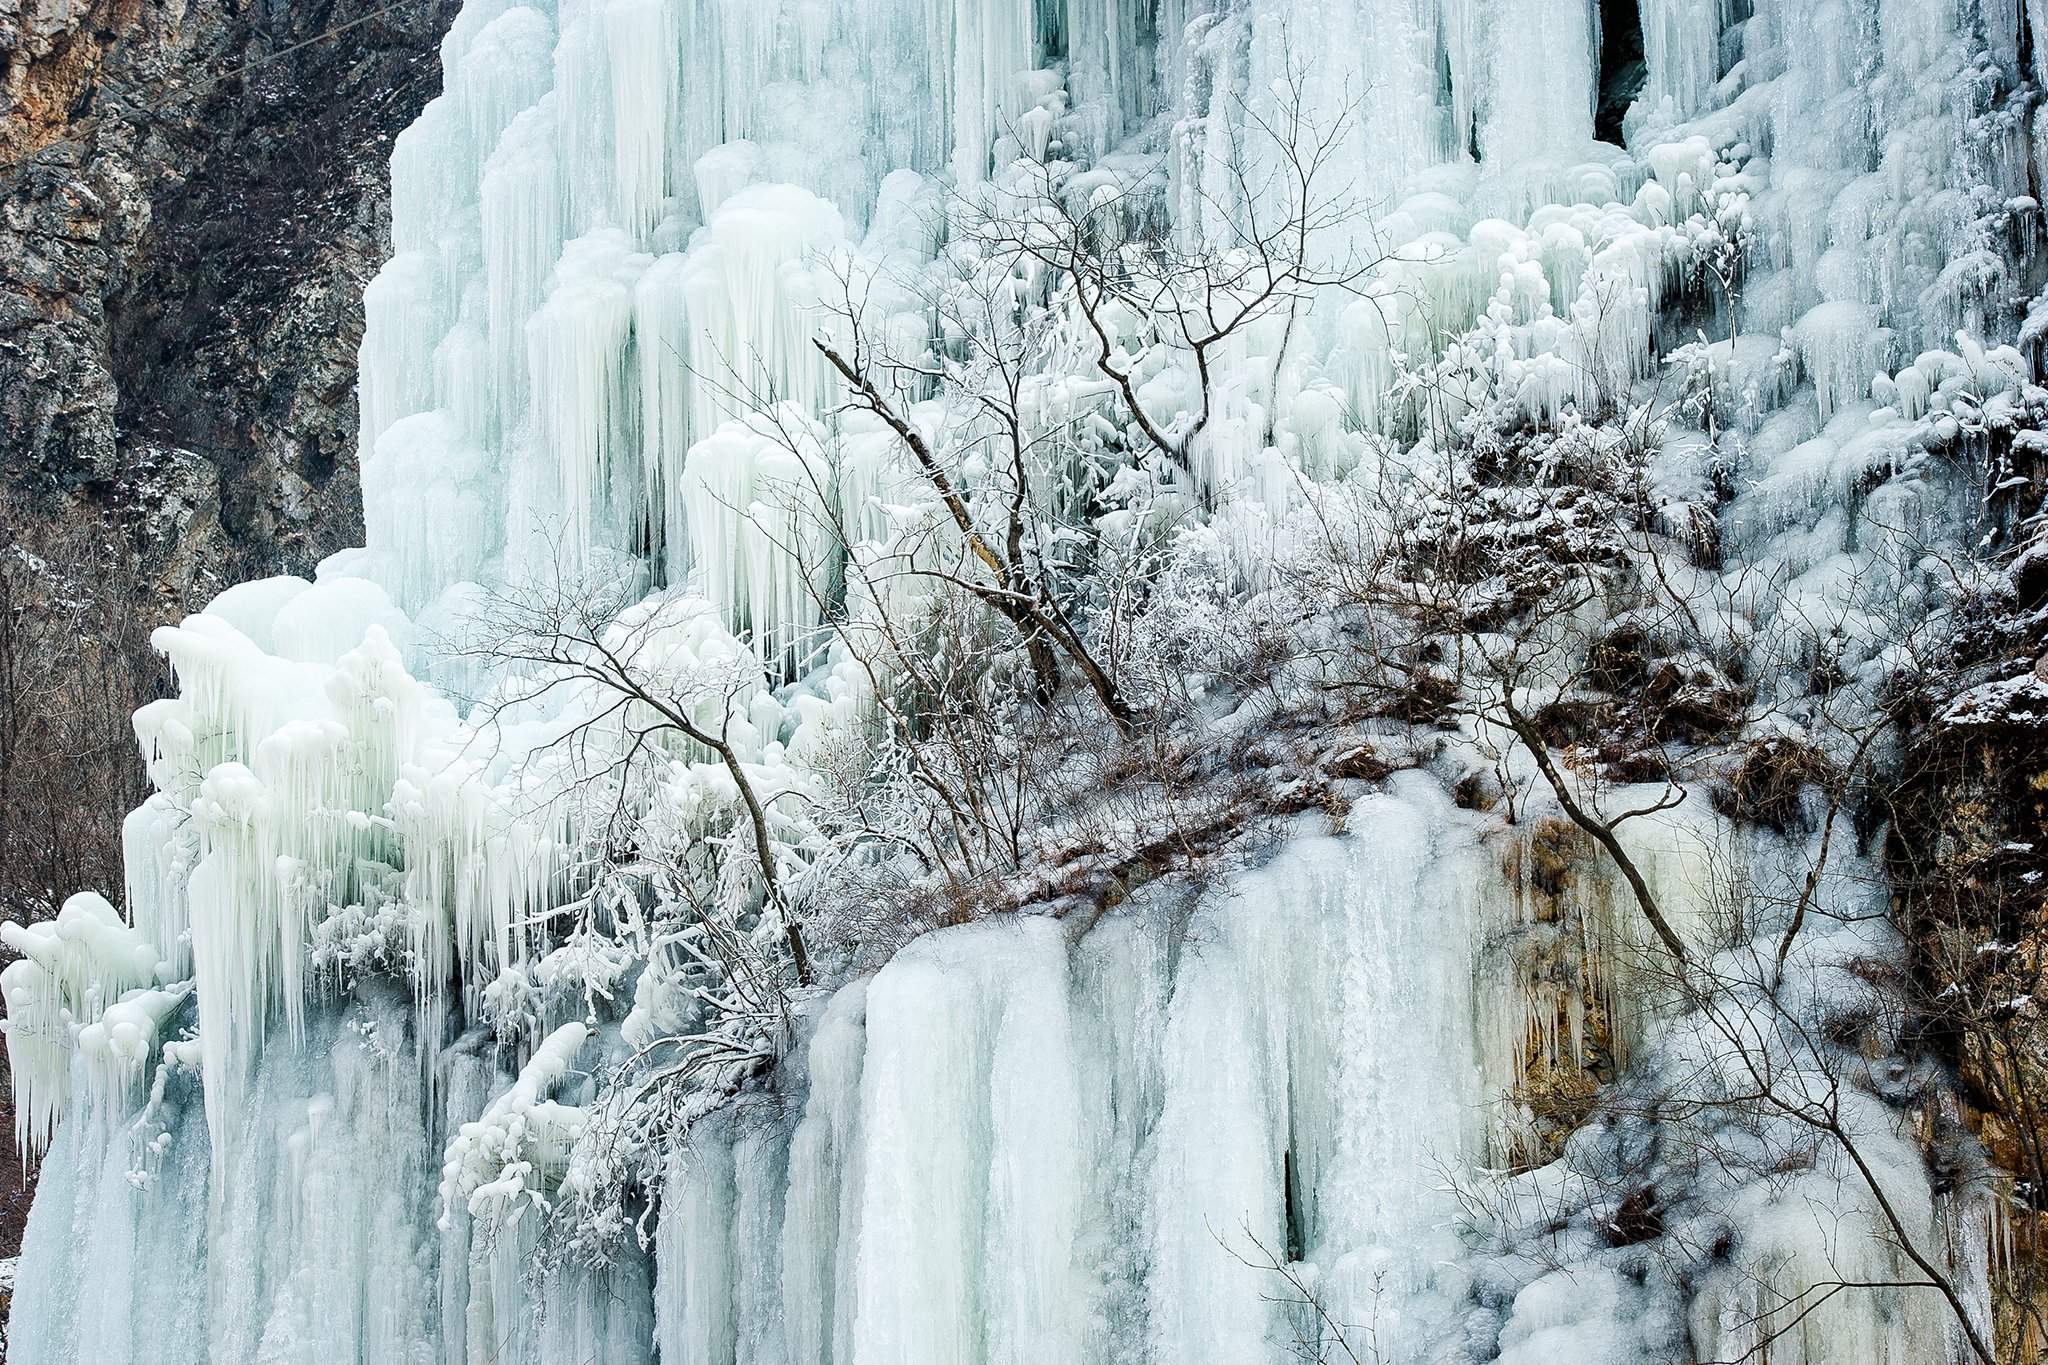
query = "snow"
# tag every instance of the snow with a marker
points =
(511, 1155)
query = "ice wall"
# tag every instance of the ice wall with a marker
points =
(1022, 1142)
(318, 1244)
(620, 221)
(1022, 1138)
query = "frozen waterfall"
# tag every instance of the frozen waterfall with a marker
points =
(1018, 1147)
(280, 1115)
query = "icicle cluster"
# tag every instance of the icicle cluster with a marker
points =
(86, 983)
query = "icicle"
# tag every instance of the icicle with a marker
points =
(1841, 346)
(427, 495)
(82, 983)
(643, 50)
(1682, 49)
(981, 56)
(405, 316)
(1538, 102)
(523, 224)
(583, 413)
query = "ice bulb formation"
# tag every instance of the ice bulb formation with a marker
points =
(273, 1121)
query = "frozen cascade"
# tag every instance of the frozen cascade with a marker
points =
(1019, 1147)
(320, 1247)
(275, 1125)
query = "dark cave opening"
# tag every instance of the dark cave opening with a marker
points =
(1622, 69)
(1295, 1238)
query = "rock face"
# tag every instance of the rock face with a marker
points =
(192, 195)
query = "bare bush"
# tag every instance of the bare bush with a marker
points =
(75, 662)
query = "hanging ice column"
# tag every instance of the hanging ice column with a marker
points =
(1682, 53)
(524, 365)
(1538, 103)
(735, 479)
(1018, 1148)
(601, 143)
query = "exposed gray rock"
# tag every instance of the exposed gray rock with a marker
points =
(192, 195)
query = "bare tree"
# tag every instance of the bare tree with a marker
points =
(1518, 580)
(570, 630)
(1070, 276)
(74, 663)
(1015, 588)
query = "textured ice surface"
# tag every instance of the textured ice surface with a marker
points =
(1022, 1146)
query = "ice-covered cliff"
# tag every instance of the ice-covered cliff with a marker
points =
(611, 915)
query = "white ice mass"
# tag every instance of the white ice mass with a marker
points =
(324, 1090)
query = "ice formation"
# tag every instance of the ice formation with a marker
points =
(616, 235)
(1018, 1147)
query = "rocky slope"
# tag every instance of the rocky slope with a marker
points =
(192, 195)
(194, 198)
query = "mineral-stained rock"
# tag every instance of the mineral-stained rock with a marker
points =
(1969, 854)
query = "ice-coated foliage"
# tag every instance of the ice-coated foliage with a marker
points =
(770, 413)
